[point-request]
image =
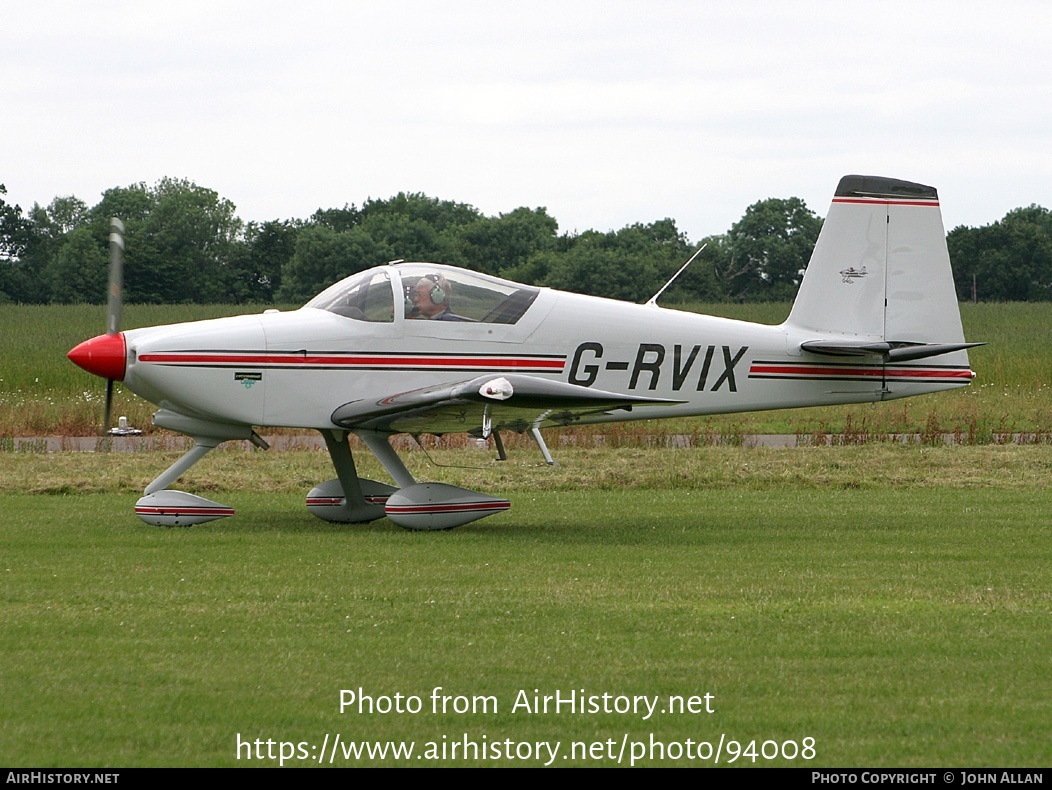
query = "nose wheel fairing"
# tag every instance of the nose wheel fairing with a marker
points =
(168, 508)
(163, 507)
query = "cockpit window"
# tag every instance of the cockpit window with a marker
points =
(364, 297)
(441, 293)
(429, 291)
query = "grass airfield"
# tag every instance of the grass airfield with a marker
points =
(892, 603)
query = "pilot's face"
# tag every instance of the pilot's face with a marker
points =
(421, 296)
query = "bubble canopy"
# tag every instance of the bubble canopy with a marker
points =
(382, 293)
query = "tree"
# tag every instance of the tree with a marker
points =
(439, 214)
(323, 256)
(255, 269)
(499, 244)
(699, 282)
(133, 204)
(16, 232)
(62, 215)
(79, 270)
(15, 229)
(51, 227)
(631, 264)
(338, 219)
(399, 235)
(181, 241)
(412, 226)
(768, 249)
(1010, 260)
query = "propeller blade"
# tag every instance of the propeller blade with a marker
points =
(113, 323)
(113, 305)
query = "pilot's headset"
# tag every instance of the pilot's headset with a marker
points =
(438, 295)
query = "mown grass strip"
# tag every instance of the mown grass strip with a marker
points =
(899, 624)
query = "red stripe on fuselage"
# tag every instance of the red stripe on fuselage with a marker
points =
(791, 371)
(262, 359)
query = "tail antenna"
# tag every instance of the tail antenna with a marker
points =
(653, 299)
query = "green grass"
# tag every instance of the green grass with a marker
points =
(41, 392)
(893, 603)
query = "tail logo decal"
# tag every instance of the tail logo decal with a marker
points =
(851, 273)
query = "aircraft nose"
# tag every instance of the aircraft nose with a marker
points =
(105, 356)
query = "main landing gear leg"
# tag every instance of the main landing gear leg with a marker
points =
(536, 433)
(501, 454)
(347, 499)
(388, 458)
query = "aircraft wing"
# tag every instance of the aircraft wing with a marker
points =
(513, 402)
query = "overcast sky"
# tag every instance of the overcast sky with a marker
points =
(606, 113)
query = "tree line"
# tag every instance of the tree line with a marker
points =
(185, 243)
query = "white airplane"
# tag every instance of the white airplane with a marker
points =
(423, 348)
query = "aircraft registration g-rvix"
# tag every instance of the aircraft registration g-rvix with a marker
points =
(424, 348)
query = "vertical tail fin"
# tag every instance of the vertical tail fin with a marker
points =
(880, 272)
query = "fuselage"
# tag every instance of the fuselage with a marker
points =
(295, 368)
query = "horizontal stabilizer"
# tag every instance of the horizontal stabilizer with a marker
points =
(891, 352)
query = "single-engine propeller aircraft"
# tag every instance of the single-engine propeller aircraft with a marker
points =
(424, 348)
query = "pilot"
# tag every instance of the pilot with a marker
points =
(430, 298)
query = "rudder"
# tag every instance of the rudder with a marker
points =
(880, 271)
